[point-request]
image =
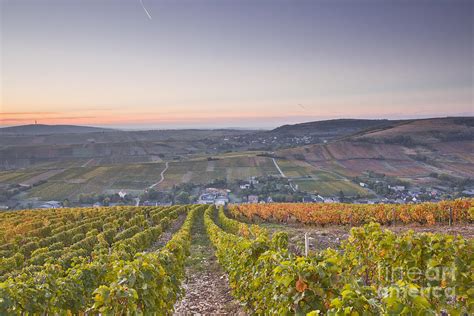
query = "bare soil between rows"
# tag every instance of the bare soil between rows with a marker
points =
(206, 288)
(168, 233)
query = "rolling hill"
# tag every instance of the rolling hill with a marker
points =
(416, 151)
(331, 128)
(424, 131)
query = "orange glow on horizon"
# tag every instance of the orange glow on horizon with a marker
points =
(105, 118)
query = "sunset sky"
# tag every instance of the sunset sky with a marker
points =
(223, 63)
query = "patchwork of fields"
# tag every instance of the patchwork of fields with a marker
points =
(75, 181)
(228, 168)
(17, 176)
(68, 181)
(352, 159)
(310, 179)
(62, 183)
(323, 169)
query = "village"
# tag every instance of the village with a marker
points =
(252, 191)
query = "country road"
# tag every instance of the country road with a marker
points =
(87, 162)
(162, 174)
(283, 175)
(278, 167)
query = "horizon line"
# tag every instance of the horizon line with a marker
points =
(148, 126)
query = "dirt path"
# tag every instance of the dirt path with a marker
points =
(206, 286)
(278, 168)
(87, 162)
(162, 175)
(282, 174)
(168, 233)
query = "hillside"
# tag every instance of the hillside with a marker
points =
(416, 151)
(429, 153)
(41, 129)
(425, 131)
(330, 128)
(113, 146)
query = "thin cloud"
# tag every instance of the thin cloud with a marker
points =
(28, 113)
(144, 9)
(46, 118)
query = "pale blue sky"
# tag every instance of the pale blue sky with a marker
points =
(233, 63)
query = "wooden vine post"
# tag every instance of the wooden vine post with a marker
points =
(450, 216)
(306, 244)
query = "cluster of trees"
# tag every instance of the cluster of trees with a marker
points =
(289, 197)
(452, 180)
(184, 193)
(104, 199)
(179, 194)
(153, 195)
(7, 192)
(379, 182)
(277, 188)
(218, 183)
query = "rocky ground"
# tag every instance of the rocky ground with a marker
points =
(206, 286)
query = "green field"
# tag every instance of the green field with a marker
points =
(137, 174)
(138, 177)
(74, 181)
(310, 179)
(17, 176)
(133, 178)
(231, 168)
(330, 187)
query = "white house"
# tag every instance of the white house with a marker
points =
(51, 204)
(221, 201)
(253, 180)
(122, 194)
(397, 188)
(253, 199)
(468, 192)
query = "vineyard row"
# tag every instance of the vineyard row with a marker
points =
(111, 272)
(447, 212)
(376, 272)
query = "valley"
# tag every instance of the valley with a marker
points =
(387, 161)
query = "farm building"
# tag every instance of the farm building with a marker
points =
(253, 199)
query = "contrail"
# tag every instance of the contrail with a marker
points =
(144, 9)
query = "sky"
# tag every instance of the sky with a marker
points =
(241, 63)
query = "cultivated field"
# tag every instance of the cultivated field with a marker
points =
(231, 168)
(69, 182)
(124, 260)
(61, 166)
(18, 176)
(109, 260)
(430, 151)
(310, 179)
(74, 181)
